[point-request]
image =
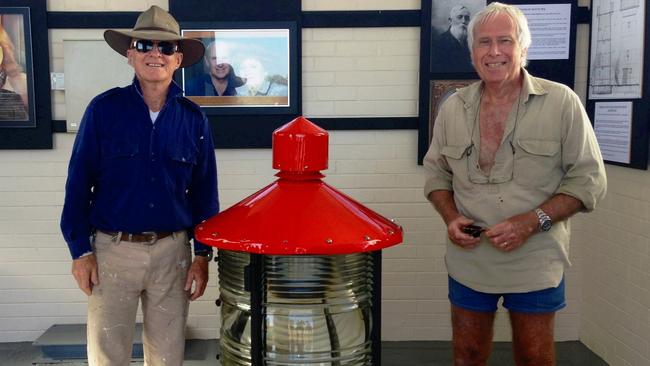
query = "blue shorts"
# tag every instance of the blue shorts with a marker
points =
(542, 301)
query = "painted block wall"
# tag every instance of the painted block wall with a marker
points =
(615, 306)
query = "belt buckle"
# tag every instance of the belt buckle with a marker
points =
(154, 236)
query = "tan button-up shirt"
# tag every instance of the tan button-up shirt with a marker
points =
(548, 147)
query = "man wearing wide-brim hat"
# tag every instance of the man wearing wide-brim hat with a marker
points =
(142, 174)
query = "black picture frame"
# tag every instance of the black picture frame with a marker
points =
(559, 70)
(616, 57)
(640, 133)
(36, 131)
(264, 56)
(17, 92)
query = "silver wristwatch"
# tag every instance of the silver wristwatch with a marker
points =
(545, 221)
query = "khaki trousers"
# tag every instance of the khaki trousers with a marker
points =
(130, 272)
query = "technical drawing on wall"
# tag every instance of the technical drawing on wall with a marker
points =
(617, 49)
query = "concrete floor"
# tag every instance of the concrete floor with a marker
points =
(393, 354)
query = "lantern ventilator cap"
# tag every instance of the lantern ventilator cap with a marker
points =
(299, 214)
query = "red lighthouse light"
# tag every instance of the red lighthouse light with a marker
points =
(299, 262)
(299, 213)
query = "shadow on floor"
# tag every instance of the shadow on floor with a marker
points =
(421, 353)
(429, 353)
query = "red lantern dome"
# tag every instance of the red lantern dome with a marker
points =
(299, 214)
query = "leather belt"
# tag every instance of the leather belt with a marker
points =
(147, 237)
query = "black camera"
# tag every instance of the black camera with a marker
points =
(473, 230)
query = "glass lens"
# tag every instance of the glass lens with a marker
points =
(145, 45)
(317, 310)
(167, 48)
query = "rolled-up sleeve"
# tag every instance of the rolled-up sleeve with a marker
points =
(438, 175)
(585, 178)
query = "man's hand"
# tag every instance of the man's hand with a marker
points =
(443, 201)
(460, 238)
(84, 270)
(198, 273)
(512, 233)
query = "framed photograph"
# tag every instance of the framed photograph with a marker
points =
(449, 48)
(440, 90)
(26, 106)
(17, 103)
(617, 49)
(248, 68)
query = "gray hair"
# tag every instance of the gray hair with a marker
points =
(494, 9)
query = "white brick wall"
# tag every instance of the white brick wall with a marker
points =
(615, 310)
(103, 5)
(329, 5)
(36, 288)
(360, 72)
(351, 72)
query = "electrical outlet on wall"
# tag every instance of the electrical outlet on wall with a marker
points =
(57, 80)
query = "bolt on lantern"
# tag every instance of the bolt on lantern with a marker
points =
(299, 265)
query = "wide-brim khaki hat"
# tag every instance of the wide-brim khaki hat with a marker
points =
(157, 25)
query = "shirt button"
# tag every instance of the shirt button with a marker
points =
(151, 205)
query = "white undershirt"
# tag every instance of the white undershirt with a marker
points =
(153, 115)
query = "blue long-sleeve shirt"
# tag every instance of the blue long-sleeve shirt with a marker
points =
(128, 174)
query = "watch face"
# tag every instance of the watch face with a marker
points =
(546, 225)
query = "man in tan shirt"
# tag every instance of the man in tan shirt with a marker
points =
(516, 156)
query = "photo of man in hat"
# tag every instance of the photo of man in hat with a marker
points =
(142, 174)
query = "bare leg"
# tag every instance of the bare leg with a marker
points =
(532, 338)
(472, 336)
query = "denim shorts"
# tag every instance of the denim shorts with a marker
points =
(541, 301)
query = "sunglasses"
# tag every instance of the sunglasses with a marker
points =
(146, 45)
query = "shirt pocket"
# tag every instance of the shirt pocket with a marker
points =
(182, 160)
(121, 150)
(120, 163)
(536, 162)
(456, 157)
(455, 152)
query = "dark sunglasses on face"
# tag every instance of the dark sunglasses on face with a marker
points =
(145, 45)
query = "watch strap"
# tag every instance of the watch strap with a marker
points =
(207, 254)
(544, 220)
